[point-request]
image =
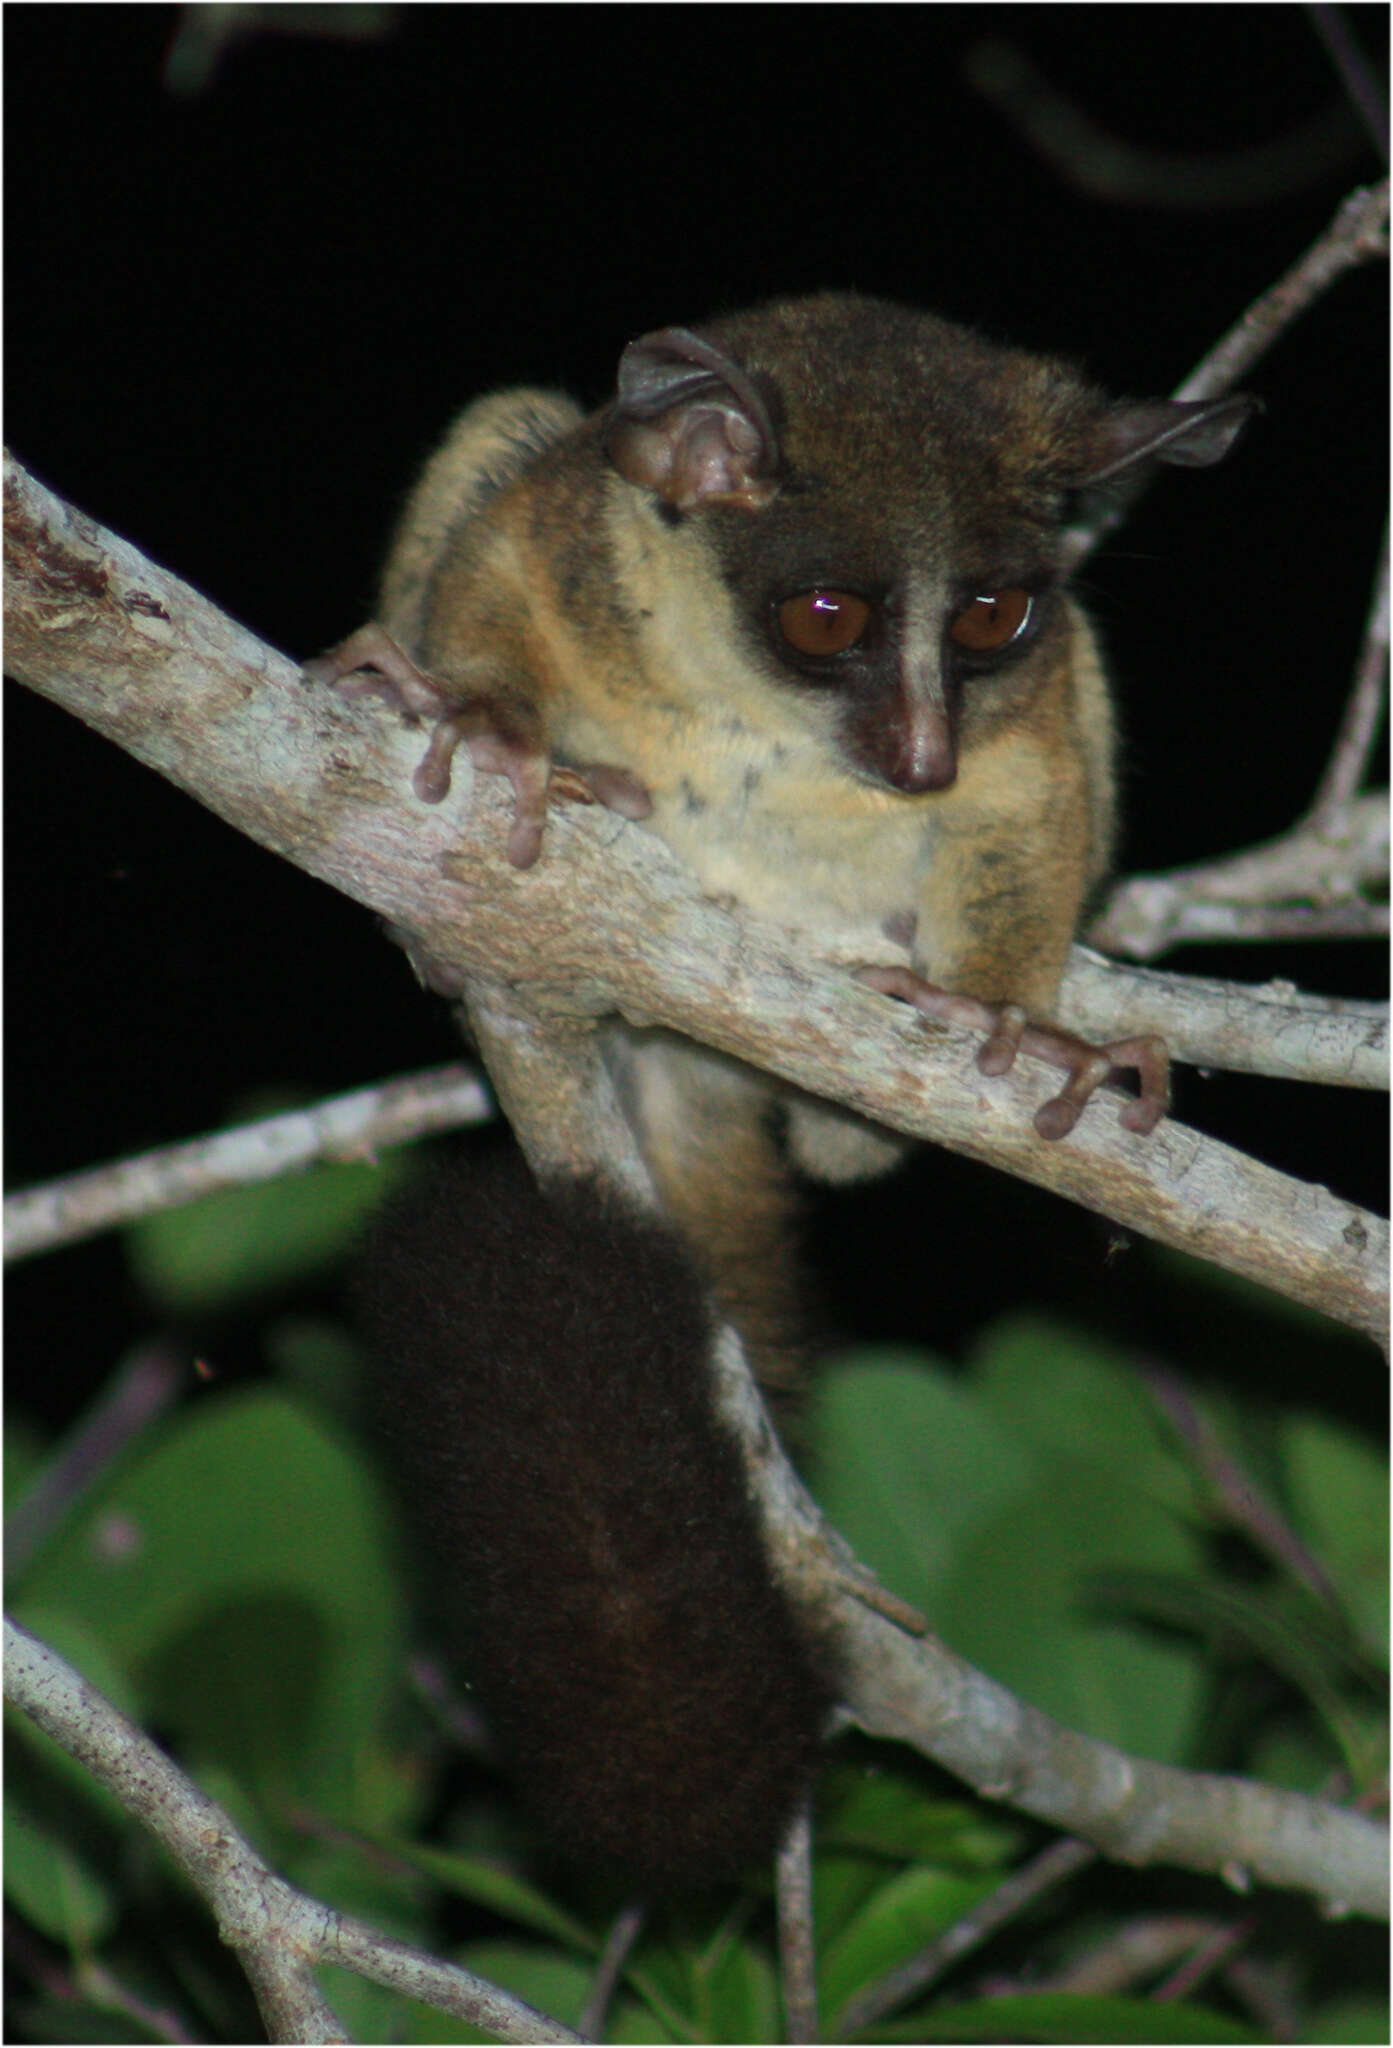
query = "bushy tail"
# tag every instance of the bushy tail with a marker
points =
(544, 1393)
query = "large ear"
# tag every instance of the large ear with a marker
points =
(1193, 434)
(691, 425)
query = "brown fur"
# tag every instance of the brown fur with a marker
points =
(543, 1396)
(608, 591)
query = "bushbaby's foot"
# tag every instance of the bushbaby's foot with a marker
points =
(1010, 1031)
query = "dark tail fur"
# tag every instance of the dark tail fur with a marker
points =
(544, 1393)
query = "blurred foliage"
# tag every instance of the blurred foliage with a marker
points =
(232, 1580)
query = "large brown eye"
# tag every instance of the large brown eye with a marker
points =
(988, 623)
(823, 621)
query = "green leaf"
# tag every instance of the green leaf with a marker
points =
(1069, 2017)
(633, 2021)
(318, 1359)
(503, 1893)
(25, 1456)
(991, 1523)
(842, 1883)
(221, 1250)
(885, 1809)
(247, 1504)
(908, 1464)
(893, 1925)
(738, 1997)
(371, 2012)
(1349, 2020)
(76, 2020)
(1017, 1606)
(1071, 1396)
(51, 1882)
(1283, 1627)
(1295, 1753)
(1338, 1485)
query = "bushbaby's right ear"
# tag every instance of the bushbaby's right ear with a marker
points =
(690, 424)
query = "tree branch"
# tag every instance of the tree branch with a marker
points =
(1357, 234)
(1349, 757)
(277, 1931)
(898, 1679)
(608, 921)
(1309, 884)
(353, 1126)
(905, 1684)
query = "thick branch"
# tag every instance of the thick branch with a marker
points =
(608, 921)
(905, 1684)
(898, 1680)
(1272, 1029)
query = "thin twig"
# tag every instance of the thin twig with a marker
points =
(1052, 1866)
(457, 1717)
(89, 1982)
(1124, 173)
(142, 1389)
(1243, 1502)
(1349, 757)
(1357, 234)
(797, 1947)
(277, 1931)
(1267, 1991)
(619, 1945)
(1131, 1953)
(344, 1127)
(1362, 88)
(1313, 882)
(1212, 1952)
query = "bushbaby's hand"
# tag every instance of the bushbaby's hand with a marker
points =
(503, 738)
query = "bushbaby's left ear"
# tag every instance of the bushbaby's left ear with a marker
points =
(1193, 434)
(689, 423)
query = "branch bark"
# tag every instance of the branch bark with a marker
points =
(1309, 884)
(608, 921)
(898, 1679)
(353, 1126)
(276, 1930)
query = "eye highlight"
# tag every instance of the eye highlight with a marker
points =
(991, 621)
(823, 621)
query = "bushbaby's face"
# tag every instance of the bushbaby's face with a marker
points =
(902, 563)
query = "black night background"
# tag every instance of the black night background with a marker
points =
(239, 314)
(236, 321)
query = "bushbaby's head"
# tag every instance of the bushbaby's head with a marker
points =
(881, 494)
